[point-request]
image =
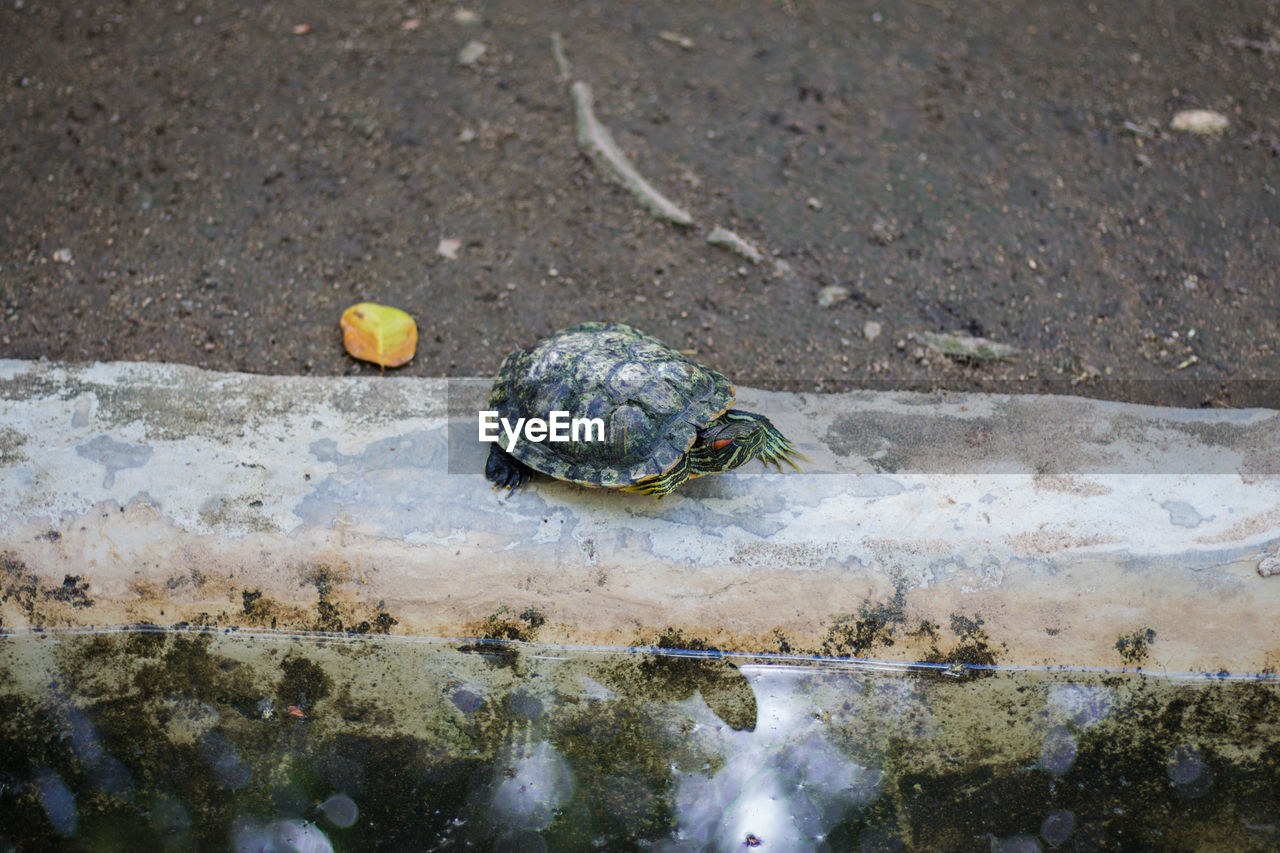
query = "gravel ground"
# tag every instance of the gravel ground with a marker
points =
(213, 183)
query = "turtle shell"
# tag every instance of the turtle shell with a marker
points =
(652, 400)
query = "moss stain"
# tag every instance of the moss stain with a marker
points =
(199, 726)
(880, 625)
(41, 604)
(505, 624)
(1134, 646)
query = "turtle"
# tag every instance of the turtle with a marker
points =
(666, 419)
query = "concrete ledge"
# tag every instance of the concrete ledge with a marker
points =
(957, 528)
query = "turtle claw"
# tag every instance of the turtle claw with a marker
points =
(650, 487)
(776, 452)
(505, 471)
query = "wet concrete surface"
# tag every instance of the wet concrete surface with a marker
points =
(213, 183)
(956, 529)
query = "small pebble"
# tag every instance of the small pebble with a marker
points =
(411, 24)
(831, 294)
(465, 17)
(813, 203)
(448, 248)
(676, 38)
(871, 330)
(62, 256)
(1204, 122)
(883, 231)
(303, 30)
(1269, 565)
(472, 52)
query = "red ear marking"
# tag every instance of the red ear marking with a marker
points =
(721, 443)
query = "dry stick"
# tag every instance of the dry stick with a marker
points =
(562, 64)
(604, 152)
(731, 241)
(597, 142)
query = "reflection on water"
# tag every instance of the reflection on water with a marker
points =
(154, 740)
(783, 785)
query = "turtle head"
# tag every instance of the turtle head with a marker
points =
(737, 437)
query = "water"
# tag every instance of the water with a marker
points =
(152, 740)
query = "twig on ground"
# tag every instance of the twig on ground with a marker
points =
(598, 144)
(731, 241)
(562, 63)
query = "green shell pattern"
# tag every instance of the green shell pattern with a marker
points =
(652, 399)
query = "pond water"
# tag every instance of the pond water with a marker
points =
(194, 740)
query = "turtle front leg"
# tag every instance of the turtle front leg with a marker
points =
(504, 470)
(663, 484)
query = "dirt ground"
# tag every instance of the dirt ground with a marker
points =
(214, 182)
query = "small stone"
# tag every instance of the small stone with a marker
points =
(303, 29)
(448, 248)
(1203, 122)
(467, 135)
(813, 203)
(871, 330)
(465, 17)
(884, 232)
(676, 38)
(410, 24)
(1269, 565)
(62, 256)
(471, 53)
(832, 294)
